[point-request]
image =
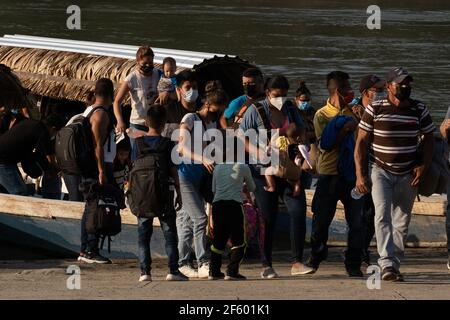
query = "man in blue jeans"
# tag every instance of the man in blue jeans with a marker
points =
(153, 142)
(392, 126)
(445, 127)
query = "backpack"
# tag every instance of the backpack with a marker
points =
(103, 212)
(286, 168)
(74, 146)
(148, 191)
(437, 176)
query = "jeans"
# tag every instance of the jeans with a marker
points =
(145, 231)
(393, 197)
(330, 189)
(369, 216)
(11, 180)
(192, 222)
(90, 242)
(133, 141)
(268, 205)
(447, 220)
(72, 183)
(51, 186)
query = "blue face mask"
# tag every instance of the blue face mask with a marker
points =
(304, 105)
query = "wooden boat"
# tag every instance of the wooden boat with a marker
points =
(68, 69)
(54, 225)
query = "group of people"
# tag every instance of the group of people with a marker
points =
(363, 151)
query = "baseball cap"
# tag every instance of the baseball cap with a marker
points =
(371, 81)
(397, 75)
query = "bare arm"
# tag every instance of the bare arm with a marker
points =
(361, 163)
(223, 122)
(444, 128)
(123, 91)
(99, 127)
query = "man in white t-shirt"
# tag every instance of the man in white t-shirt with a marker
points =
(142, 85)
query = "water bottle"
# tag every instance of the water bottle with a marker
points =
(356, 194)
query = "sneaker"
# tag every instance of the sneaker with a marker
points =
(145, 276)
(235, 277)
(216, 276)
(312, 263)
(389, 274)
(448, 263)
(94, 258)
(177, 276)
(400, 277)
(81, 256)
(355, 273)
(268, 273)
(203, 271)
(300, 269)
(188, 271)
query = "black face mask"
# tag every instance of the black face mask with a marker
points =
(403, 93)
(250, 90)
(146, 69)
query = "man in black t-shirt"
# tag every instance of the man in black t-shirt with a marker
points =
(187, 102)
(17, 145)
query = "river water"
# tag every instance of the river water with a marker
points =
(296, 38)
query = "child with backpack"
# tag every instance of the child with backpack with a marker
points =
(149, 193)
(229, 218)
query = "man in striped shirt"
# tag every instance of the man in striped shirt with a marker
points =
(393, 126)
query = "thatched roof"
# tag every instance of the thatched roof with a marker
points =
(63, 75)
(12, 94)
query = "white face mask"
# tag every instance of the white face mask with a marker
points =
(190, 96)
(278, 102)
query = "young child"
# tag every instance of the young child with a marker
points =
(168, 81)
(290, 144)
(122, 164)
(156, 119)
(228, 218)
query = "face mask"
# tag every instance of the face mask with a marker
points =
(146, 69)
(403, 93)
(304, 105)
(349, 97)
(379, 96)
(190, 96)
(250, 90)
(278, 102)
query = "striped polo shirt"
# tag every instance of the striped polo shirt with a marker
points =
(395, 133)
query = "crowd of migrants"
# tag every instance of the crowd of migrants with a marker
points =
(362, 151)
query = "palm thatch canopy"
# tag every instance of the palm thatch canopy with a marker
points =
(63, 75)
(12, 94)
(68, 69)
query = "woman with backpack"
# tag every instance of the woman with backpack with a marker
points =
(193, 173)
(278, 114)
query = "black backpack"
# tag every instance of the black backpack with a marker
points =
(103, 212)
(74, 146)
(148, 191)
